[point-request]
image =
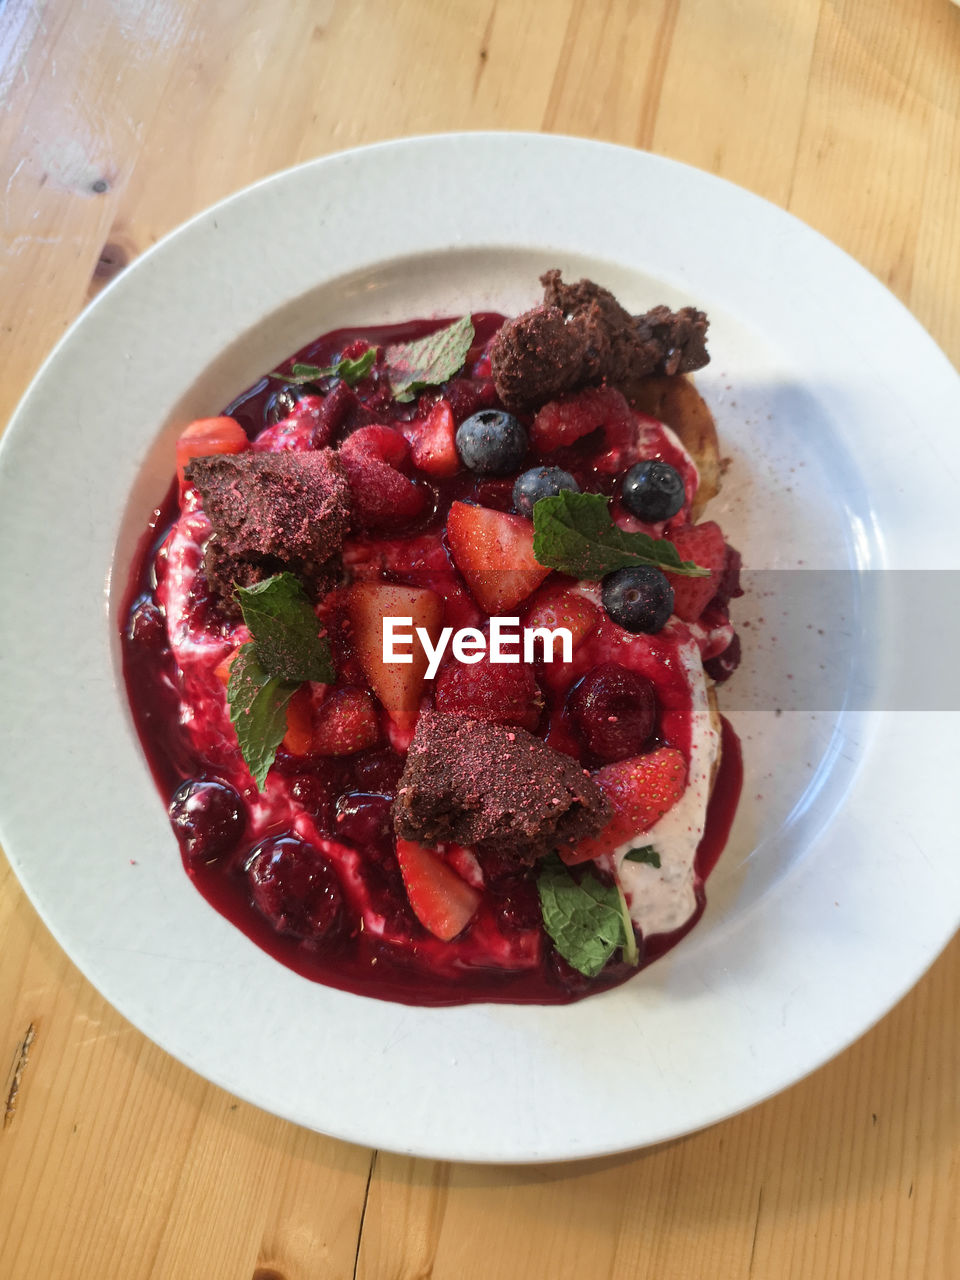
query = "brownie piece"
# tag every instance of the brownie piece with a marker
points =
(271, 512)
(496, 788)
(581, 336)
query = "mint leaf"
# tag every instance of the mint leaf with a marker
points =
(285, 630)
(285, 651)
(351, 371)
(430, 360)
(258, 710)
(647, 854)
(573, 532)
(584, 919)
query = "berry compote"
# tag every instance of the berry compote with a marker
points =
(308, 866)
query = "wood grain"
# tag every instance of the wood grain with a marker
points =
(120, 118)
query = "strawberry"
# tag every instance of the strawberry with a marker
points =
(442, 902)
(567, 419)
(494, 552)
(381, 495)
(222, 669)
(704, 544)
(505, 693)
(207, 436)
(397, 685)
(346, 721)
(432, 441)
(641, 790)
(298, 739)
(554, 607)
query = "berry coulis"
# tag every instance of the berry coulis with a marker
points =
(277, 884)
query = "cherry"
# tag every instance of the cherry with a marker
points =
(147, 625)
(516, 902)
(208, 818)
(614, 711)
(378, 771)
(365, 821)
(296, 889)
(316, 795)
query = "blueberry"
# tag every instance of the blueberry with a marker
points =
(492, 442)
(639, 599)
(282, 403)
(653, 491)
(540, 482)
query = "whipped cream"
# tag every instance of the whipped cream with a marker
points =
(663, 899)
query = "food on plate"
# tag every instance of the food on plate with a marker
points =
(422, 650)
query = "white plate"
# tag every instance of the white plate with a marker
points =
(841, 882)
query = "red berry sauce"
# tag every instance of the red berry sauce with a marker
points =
(308, 871)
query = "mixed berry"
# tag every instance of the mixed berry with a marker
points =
(409, 837)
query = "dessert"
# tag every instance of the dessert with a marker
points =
(366, 769)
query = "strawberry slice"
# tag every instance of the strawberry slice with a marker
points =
(346, 721)
(207, 436)
(494, 552)
(704, 544)
(298, 739)
(566, 419)
(641, 790)
(397, 685)
(553, 607)
(442, 902)
(432, 441)
(222, 669)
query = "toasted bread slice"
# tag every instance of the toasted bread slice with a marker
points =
(677, 402)
(714, 724)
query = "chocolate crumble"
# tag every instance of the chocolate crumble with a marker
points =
(494, 787)
(580, 336)
(271, 512)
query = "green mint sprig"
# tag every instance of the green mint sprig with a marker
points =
(586, 919)
(428, 361)
(574, 532)
(285, 651)
(351, 371)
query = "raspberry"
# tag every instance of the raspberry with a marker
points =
(569, 418)
(467, 397)
(381, 496)
(504, 693)
(377, 443)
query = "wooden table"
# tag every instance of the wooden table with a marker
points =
(121, 118)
